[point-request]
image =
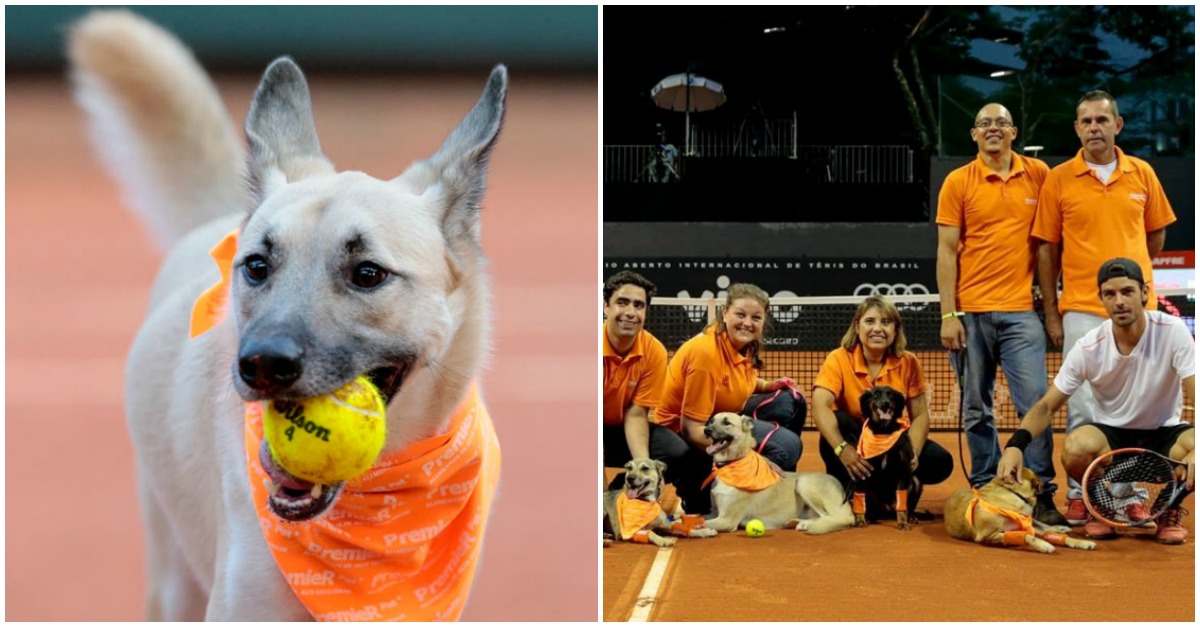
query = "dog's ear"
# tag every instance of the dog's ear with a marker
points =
(747, 424)
(898, 401)
(458, 170)
(661, 466)
(280, 130)
(864, 404)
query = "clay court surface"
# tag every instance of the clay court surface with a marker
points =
(79, 270)
(883, 574)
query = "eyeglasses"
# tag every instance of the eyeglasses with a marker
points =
(986, 123)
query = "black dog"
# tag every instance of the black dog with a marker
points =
(892, 469)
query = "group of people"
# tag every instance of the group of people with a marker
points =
(1002, 219)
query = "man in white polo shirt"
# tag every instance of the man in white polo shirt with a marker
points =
(1142, 369)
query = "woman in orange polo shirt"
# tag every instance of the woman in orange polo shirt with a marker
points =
(717, 371)
(873, 353)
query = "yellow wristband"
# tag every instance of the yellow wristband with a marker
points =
(837, 450)
(953, 314)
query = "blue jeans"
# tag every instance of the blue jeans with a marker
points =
(1016, 342)
(1076, 324)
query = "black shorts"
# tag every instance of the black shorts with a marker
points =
(1158, 440)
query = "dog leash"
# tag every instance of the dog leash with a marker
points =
(959, 360)
(754, 414)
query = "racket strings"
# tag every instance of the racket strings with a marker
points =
(1130, 480)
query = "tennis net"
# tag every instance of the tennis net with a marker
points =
(804, 329)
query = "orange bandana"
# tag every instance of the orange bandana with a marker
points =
(1025, 522)
(402, 541)
(751, 473)
(210, 307)
(633, 515)
(871, 444)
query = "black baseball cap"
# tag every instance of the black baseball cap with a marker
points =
(1120, 267)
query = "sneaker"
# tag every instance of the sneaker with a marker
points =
(1077, 513)
(1097, 530)
(1046, 513)
(1136, 513)
(1169, 529)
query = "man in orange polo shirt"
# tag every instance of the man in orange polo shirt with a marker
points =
(985, 271)
(1101, 204)
(635, 364)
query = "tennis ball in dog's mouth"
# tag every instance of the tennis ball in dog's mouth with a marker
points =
(329, 438)
(755, 528)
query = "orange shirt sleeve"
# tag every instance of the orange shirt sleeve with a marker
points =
(831, 376)
(915, 380)
(1038, 170)
(649, 388)
(1158, 210)
(699, 387)
(950, 200)
(1047, 221)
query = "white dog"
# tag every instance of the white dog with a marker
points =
(329, 276)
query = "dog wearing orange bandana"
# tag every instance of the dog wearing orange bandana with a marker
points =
(1001, 514)
(747, 486)
(885, 445)
(635, 514)
(286, 279)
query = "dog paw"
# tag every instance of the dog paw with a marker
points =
(801, 525)
(703, 532)
(1044, 547)
(904, 526)
(1085, 545)
(607, 543)
(860, 522)
(794, 523)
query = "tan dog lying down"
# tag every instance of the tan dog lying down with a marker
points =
(1001, 514)
(809, 501)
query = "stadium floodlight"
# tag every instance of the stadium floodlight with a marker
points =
(1002, 73)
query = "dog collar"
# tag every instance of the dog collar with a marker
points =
(871, 444)
(1024, 522)
(209, 309)
(751, 473)
(634, 514)
(403, 540)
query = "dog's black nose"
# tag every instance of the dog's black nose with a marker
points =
(270, 366)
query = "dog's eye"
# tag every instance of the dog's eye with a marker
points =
(255, 269)
(368, 275)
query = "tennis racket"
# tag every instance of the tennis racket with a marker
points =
(1132, 487)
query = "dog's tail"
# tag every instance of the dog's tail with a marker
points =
(158, 123)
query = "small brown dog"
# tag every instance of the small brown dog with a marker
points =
(634, 515)
(1001, 514)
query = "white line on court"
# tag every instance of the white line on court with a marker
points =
(649, 594)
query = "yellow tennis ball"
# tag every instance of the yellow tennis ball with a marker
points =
(329, 438)
(755, 528)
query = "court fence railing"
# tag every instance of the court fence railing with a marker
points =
(832, 164)
(803, 330)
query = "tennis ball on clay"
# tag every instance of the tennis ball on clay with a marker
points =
(329, 438)
(755, 528)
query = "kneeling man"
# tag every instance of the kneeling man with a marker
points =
(1142, 368)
